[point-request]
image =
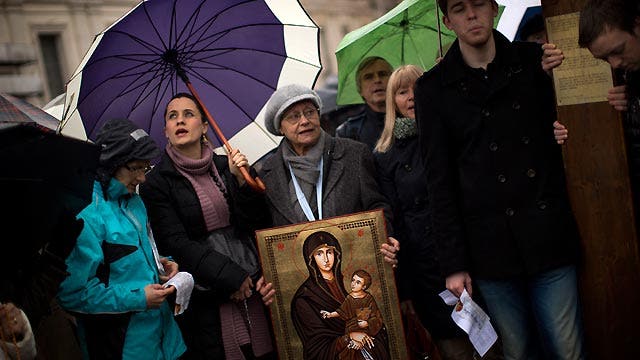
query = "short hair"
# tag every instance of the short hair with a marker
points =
(442, 4)
(365, 63)
(598, 15)
(190, 97)
(365, 276)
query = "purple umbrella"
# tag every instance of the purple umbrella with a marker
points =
(235, 53)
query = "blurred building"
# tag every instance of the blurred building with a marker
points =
(336, 18)
(43, 41)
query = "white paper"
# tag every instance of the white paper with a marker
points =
(473, 320)
(183, 282)
(448, 298)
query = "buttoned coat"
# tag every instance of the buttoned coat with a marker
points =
(494, 172)
(348, 185)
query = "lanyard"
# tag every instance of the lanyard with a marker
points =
(301, 198)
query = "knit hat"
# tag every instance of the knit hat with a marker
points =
(282, 99)
(121, 141)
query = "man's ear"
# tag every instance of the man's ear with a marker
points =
(445, 21)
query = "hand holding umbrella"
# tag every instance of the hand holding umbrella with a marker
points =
(235, 53)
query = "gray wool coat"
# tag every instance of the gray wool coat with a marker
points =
(349, 183)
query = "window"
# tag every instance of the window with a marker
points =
(49, 45)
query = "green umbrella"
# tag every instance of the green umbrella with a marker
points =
(408, 34)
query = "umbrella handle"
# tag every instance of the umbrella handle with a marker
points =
(256, 184)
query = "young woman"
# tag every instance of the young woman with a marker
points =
(203, 214)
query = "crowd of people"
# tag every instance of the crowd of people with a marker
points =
(464, 160)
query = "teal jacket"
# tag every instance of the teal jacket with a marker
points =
(109, 268)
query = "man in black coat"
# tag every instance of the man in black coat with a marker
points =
(372, 77)
(495, 177)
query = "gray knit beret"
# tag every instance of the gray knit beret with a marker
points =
(122, 141)
(282, 99)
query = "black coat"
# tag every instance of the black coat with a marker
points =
(365, 127)
(401, 175)
(180, 231)
(494, 172)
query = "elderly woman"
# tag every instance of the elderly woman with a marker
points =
(313, 175)
(114, 286)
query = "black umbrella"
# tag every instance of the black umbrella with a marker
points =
(45, 178)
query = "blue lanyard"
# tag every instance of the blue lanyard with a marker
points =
(304, 204)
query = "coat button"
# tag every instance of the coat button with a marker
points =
(531, 173)
(509, 212)
(493, 146)
(542, 205)
(515, 105)
(502, 178)
(526, 140)
(486, 113)
(407, 167)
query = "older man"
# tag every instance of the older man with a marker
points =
(372, 76)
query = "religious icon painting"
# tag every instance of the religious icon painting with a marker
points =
(335, 296)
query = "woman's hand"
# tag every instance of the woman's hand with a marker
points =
(156, 294)
(362, 338)
(12, 323)
(390, 251)
(244, 292)
(266, 290)
(170, 269)
(236, 161)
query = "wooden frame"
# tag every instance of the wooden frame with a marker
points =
(360, 237)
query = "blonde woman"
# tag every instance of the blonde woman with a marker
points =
(401, 174)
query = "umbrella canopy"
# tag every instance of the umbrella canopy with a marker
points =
(407, 34)
(16, 112)
(43, 175)
(235, 53)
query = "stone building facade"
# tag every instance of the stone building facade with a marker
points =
(43, 41)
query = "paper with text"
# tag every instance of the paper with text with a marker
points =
(472, 319)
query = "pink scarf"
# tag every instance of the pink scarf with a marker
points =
(201, 174)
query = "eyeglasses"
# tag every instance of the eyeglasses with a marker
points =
(138, 170)
(309, 114)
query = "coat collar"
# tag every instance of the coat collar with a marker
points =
(455, 69)
(166, 167)
(277, 176)
(116, 189)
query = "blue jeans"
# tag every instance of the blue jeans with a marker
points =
(541, 311)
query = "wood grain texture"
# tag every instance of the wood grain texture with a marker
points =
(597, 172)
